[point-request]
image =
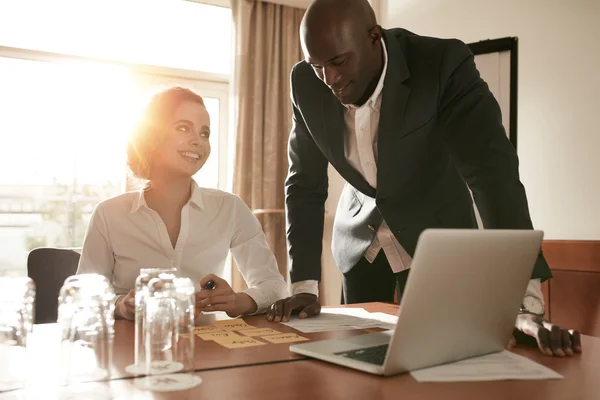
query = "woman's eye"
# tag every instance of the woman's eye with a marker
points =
(205, 134)
(183, 128)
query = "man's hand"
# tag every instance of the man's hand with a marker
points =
(125, 306)
(306, 303)
(223, 298)
(550, 339)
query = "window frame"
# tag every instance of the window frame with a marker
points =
(207, 84)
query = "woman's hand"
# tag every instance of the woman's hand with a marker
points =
(223, 298)
(125, 306)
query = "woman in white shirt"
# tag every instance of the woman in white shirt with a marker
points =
(172, 222)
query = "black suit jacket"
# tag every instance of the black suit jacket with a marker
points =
(440, 127)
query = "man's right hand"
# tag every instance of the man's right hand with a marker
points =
(305, 303)
(125, 306)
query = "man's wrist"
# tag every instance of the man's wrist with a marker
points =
(532, 305)
(307, 286)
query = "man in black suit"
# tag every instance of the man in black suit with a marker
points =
(406, 120)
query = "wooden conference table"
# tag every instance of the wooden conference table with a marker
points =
(272, 372)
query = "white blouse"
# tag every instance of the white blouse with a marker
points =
(125, 235)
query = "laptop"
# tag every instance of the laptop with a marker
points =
(461, 300)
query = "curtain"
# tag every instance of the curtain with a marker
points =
(267, 45)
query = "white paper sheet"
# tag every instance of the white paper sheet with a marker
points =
(492, 367)
(336, 319)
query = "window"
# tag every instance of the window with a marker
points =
(65, 118)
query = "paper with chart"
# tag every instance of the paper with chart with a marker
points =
(492, 367)
(336, 319)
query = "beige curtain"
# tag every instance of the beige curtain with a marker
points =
(267, 45)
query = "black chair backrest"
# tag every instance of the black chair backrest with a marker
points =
(49, 267)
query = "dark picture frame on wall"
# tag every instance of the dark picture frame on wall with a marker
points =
(507, 46)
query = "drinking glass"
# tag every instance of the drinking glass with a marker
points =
(141, 286)
(86, 319)
(17, 296)
(169, 325)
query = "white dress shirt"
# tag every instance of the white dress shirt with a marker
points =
(125, 235)
(362, 126)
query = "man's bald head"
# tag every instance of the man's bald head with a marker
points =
(329, 13)
(341, 40)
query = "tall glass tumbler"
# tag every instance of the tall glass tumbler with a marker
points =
(169, 325)
(141, 286)
(86, 319)
(17, 297)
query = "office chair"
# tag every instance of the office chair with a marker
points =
(49, 267)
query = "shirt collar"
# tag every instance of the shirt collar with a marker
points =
(140, 199)
(373, 100)
(196, 196)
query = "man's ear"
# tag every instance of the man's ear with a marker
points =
(375, 33)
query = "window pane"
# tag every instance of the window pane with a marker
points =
(63, 137)
(170, 33)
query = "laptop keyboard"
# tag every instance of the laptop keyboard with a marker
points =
(373, 355)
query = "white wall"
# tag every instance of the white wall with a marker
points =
(559, 95)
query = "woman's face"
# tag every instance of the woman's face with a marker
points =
(186, 146)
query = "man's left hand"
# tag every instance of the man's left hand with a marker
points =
(550, 338)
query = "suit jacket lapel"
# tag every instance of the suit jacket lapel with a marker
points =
(395, 95)
(334, 127)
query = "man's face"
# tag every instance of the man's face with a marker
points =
(344, 59)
